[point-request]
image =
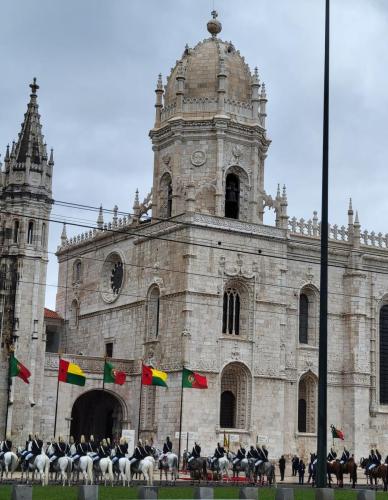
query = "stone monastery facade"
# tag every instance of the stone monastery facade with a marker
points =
(200, 283)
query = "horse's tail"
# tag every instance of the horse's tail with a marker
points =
(46, 470)
(110, 471)
(89, 469)
(14, 462)
(127, 471)
(151, 473)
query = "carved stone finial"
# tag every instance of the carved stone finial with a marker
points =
(34, 86)
(350, 209)
(63, 235)
(356, 221)
(100, 219)
(214, 26)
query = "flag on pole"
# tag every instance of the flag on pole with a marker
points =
(151, 376)
(70, 373)
(193, 380)
(225, 441)
(17, 369)
(113, 376)
(336, 433)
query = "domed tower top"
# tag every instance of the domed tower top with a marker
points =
(211, 79)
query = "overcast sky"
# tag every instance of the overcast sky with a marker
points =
(97, 61)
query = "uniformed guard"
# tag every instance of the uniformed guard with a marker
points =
(120, 450)
(252, 453)
(147, 449)
(260, 456)
(240, 455)
(332, 455)
(36, 447)
(219, 452)
(82, 449)
(92, 449)
(27, 448)
(345, 456)
(196, 452)
(6, 446)
(264, 453)
(104, 449)
(138, 453)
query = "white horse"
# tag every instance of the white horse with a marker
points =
(84, 465)
(106, 468)
(63, 467)
(223, 466)
(124, 466)
(41, 465)
(168, 463)
(146, 467)
(8, 464)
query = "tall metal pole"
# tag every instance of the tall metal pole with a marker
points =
(141, 391)
(322, 385)
(180, 424)
(56, 401)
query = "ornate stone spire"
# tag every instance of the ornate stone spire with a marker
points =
(159, 100)
(30, 145)
(350, 213)
(214, 26)
(100, 218)
(63, 235)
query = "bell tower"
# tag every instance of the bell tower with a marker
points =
(25, 207)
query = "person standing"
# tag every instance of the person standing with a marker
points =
(282, 467)
(301, 471)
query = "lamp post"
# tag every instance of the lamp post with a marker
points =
(322, 385)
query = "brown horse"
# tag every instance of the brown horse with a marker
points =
(378, 472)
(335, 468)
(350, 467)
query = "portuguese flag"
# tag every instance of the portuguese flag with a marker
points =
(70, 373)
(193, 380)
(336, 433)
(17, 369)
(150, 376)
(113, 376)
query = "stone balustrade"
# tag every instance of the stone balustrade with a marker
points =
(91, 364)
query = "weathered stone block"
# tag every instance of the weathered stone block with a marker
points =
(249, 493)
(88, 492)
(284, 494)
(203, 493)
(147, 492)
(366, 495)
(324, 494)
(21, 492)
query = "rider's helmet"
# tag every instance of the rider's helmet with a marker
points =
(372, 452)
(71, 440)
(122, 440)
(252, 447)
(168, 438)
(36, 435)
(139, 443)
(103, 442)
(82, 440)
(92, 438)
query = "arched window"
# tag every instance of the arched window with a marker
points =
(153, 309)
(77, 271)
(384, 355)
(43, 241)
(235, 397)
(303, 318)
(165, 196)
(307, 403)
(30, 233)
(231, 312)
(16, 231)
(228, 410)
(232, 196)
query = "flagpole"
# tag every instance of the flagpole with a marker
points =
(180, 423)
(9, 383)
(141, 390)
(56, 402)
(103, 376)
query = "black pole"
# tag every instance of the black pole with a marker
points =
(180, 425)
(322, 385)
(9, 383)
(141, 390)
(103, 376)
(56, 402)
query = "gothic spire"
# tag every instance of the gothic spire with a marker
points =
(100, 219)
(30, 143)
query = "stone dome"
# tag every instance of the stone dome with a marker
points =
(201, 66)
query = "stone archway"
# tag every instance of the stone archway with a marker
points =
(97, 412)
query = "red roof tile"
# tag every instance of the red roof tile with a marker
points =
(48, 313)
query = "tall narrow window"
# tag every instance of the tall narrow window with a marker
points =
(231, 312)
(77, 271)
(384, 355)
(16, 231)
(228, 410)
(307, 403)
(109, 349)
(232, 196)
(303, 318)
(169, 200)
(30, 233)
(153, 309)
(43, 242)
(302, 415)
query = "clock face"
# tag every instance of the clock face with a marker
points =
(116, 279)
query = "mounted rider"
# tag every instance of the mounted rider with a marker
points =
(262, 455)
(5, 446)
(345, 456)
(374, 459)
(253, 453)
(195, 453)
(139, 453)
(92, 448)
(240, 455)
(27, 448)
(104, 449)
(61, 449)
(36, 448)
(332, 455)
(167, 448)
(121, 450)
(219, 452)
(148, 449)
(81, 449)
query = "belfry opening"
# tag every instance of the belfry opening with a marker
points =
(98, 413)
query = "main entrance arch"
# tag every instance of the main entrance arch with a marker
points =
(96, 412)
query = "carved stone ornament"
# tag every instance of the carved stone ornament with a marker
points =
(198, 158)
(166, 159)
(237, 154)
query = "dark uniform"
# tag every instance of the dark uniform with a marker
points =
(7, 446)
(61, 449)
(25, 452)
(147, 450)
(104, 451)
(345, 456)
(332, 455)
(219, 452)
(37, 445)
(93, 449)
(167, 446)
(82, 449)
(253, 453)
(240, 455)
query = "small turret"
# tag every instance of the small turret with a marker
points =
(159, 100)
(263, 105)
(357, 232)
(63, 236)
(255, 85)
(136, 206)
(100, 219)
(180, 79)
(115, 218)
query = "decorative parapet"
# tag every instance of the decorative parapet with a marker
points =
(91, 364)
